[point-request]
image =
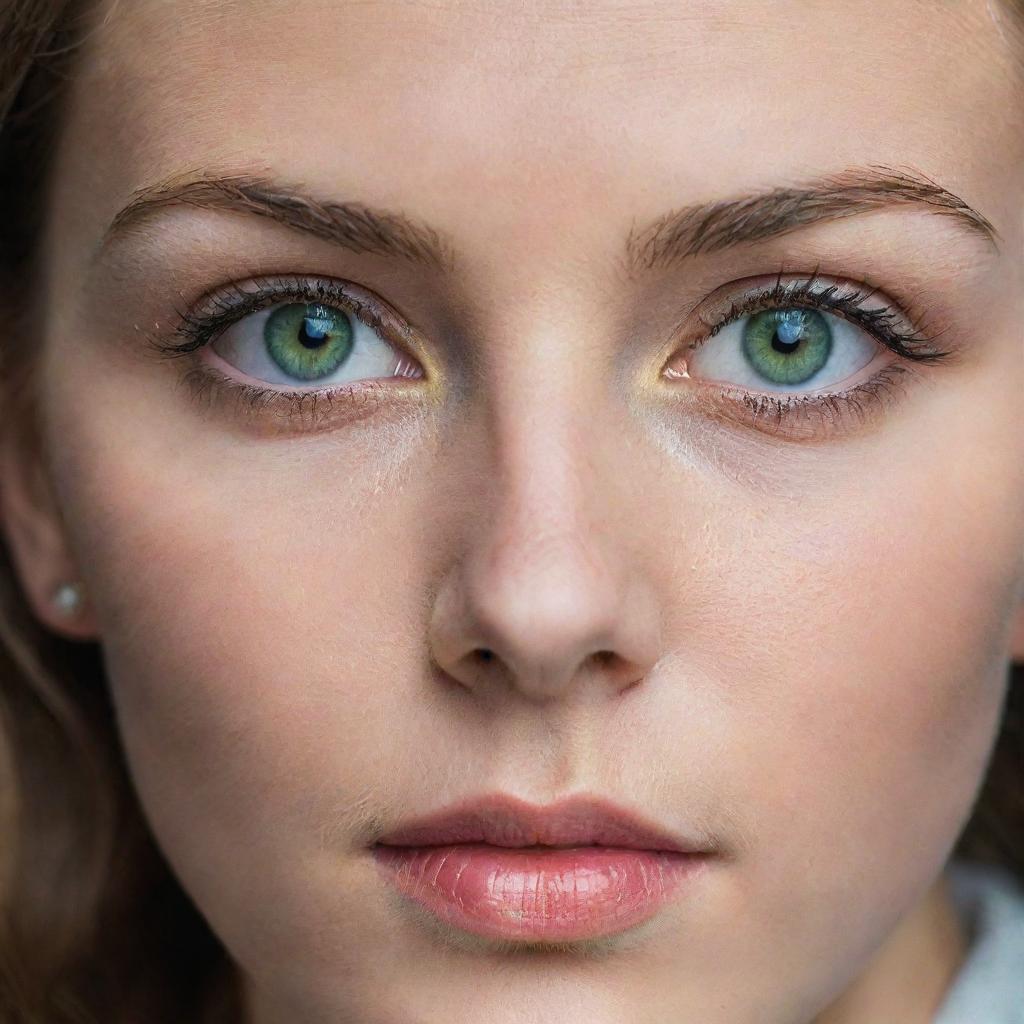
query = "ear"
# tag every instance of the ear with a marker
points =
(33, 528)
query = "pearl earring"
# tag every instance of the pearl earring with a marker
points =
(67, 599)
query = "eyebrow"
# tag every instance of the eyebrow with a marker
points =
(672, 238)
(712, 227)
(352, 225)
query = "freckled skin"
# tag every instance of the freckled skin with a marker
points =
(818, 633)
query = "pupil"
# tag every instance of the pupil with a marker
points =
(788, 332)
(313, 333)
(780, 345)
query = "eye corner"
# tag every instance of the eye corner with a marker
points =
(770, 395)
(361, 348)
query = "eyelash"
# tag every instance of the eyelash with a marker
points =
(196, 329)
(831, 410)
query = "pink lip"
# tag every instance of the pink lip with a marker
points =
(502, 868)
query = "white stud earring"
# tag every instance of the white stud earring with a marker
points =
(67, 598)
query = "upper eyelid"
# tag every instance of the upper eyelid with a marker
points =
(918, 331)
(804, 286)
(260, 292)
(274, 289)
(840, 307)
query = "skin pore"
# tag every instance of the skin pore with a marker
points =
(809, 618)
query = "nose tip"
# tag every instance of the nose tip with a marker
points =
(544, 618)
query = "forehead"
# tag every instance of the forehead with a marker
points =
(463, 103)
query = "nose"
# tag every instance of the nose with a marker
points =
(548, 596)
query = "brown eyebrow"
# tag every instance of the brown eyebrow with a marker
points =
(353, 225)
(676, 236)
(712, 227)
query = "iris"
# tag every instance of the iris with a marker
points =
(787, 346)
(308, 340)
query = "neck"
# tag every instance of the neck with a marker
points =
(911, 973)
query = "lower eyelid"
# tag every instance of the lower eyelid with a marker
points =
(272, 412)
(799, 393)
(808, 418)
(404, 369)
(802, 415)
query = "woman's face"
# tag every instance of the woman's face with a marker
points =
(633, 232)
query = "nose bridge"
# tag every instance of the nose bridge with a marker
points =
(548, 415)
(547, 587)
(551, 498)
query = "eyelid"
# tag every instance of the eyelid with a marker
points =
(906, 331)
(808, 416)
(219, 308)
(815, 419)
(275, 412)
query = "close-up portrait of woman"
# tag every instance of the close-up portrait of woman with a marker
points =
(511, 512)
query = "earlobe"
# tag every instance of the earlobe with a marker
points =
(34, 533)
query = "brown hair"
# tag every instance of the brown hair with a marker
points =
(94, 927)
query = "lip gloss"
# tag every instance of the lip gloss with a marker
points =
(538, 893)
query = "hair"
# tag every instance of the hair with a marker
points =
(94, 926)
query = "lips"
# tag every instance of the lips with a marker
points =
(501, 868)
(502, 820)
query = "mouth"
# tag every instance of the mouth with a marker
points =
(499, 867)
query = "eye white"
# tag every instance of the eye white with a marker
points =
(722, 359)
(244, 347)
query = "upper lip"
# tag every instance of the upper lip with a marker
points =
(503, 820)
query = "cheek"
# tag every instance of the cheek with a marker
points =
(872, 640)
(256, 623)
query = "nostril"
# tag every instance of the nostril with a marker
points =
(624, 672)
(484, 655)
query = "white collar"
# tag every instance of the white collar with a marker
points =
(989, 987)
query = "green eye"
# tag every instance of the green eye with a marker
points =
(308, 340)
(787, 346)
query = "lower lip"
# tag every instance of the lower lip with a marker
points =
(533, 893)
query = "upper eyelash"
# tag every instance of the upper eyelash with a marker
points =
(231, 303)
(880, 322)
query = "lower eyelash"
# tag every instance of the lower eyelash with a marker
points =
(281, 411)
(289, 411)
(810, 417)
